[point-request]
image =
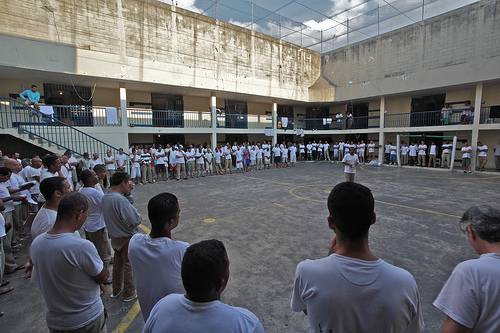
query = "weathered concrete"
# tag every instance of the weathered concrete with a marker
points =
(152, 41)
(271, 220)
(459, 47)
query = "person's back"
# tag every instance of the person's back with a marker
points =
(68, 271)
(344, 294)
(352, 290)
(471, 297)
(120, 216)
(205, 272)
(176, 313)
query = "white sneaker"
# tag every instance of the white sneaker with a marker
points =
(130, 298)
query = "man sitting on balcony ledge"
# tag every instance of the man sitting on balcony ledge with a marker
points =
(31, 97)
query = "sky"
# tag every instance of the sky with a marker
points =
(308, 22)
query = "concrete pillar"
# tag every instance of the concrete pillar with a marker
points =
(275, 123)
(213, 111)
(381, 139)
(124, 117)
(475, 124)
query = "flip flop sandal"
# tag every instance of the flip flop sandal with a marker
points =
(7, 290)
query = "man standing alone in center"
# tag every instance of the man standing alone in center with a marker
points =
(351, 162)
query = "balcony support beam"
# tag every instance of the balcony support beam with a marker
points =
(381, 138)
(124, 116)
(275, 123)
(475, 124)
(213, 111)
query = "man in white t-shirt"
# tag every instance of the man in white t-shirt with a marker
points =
(352, 290)
(413, 153)
(53, 189)
(95, 161)
(156, 258)
(350, 161)
(121, 160)
(445, 154)
(466, 157)
(404, 153)
(110, 163)
(432, 155)
(205, 272)
(482, 155)
(470, 298)
(68, 271)
(422, 153)
(94, 226)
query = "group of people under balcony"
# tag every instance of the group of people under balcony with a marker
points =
(179, 285)
(420, 154)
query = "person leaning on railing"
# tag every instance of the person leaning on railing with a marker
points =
(31, 97)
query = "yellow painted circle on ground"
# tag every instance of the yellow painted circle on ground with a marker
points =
(209, 220)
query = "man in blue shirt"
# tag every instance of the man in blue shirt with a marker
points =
(31, 97)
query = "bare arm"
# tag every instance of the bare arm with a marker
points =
(451, 326)
(102, 277)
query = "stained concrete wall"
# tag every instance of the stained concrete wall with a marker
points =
(148, 40)
(459, 47)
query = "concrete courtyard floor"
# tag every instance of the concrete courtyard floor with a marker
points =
(271, 220)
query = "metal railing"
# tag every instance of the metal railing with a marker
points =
(247, 121)
(489, 116)
(430, 118)
(49, 129)
(168, 118)
(338, 124)
(84, 115)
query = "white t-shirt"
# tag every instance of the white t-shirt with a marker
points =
(95, 220)
(111, 161)
(93, 163)
(120, 160)
(483, 151)
(393, 150)
(277, 151)
(44, 221)
(2, 226)
(29, 174)
(175, 313)
(371, 147)
(433, 150)
(404, 150)
(343, 294)
(413, 150)
(4, 193)
(471, 296)
(353, 161)
(422, 149)
(63, 268)
(446, 148)
(44, 173)
(466, 151)
(163, 256)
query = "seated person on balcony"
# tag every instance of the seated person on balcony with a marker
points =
(467, 114)
(445, 114)
(31, 97)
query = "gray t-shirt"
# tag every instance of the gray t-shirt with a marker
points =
(343, 294)
(471, 296)
(63, 268)
(163, 256)
(175, 313)
(120, 216)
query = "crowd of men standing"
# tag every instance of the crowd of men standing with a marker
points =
(85, 236)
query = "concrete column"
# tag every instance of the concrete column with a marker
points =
(381, 139)
(275, 123)
(475, 124)
(123, 117)
(213, 111)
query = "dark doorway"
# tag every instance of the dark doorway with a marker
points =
(285, 111)
(72, 104)
(315, 116)
(426, 110)
(236, 114)
(168, 110)
(172, 139)
(359, 114)
(239, 138)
